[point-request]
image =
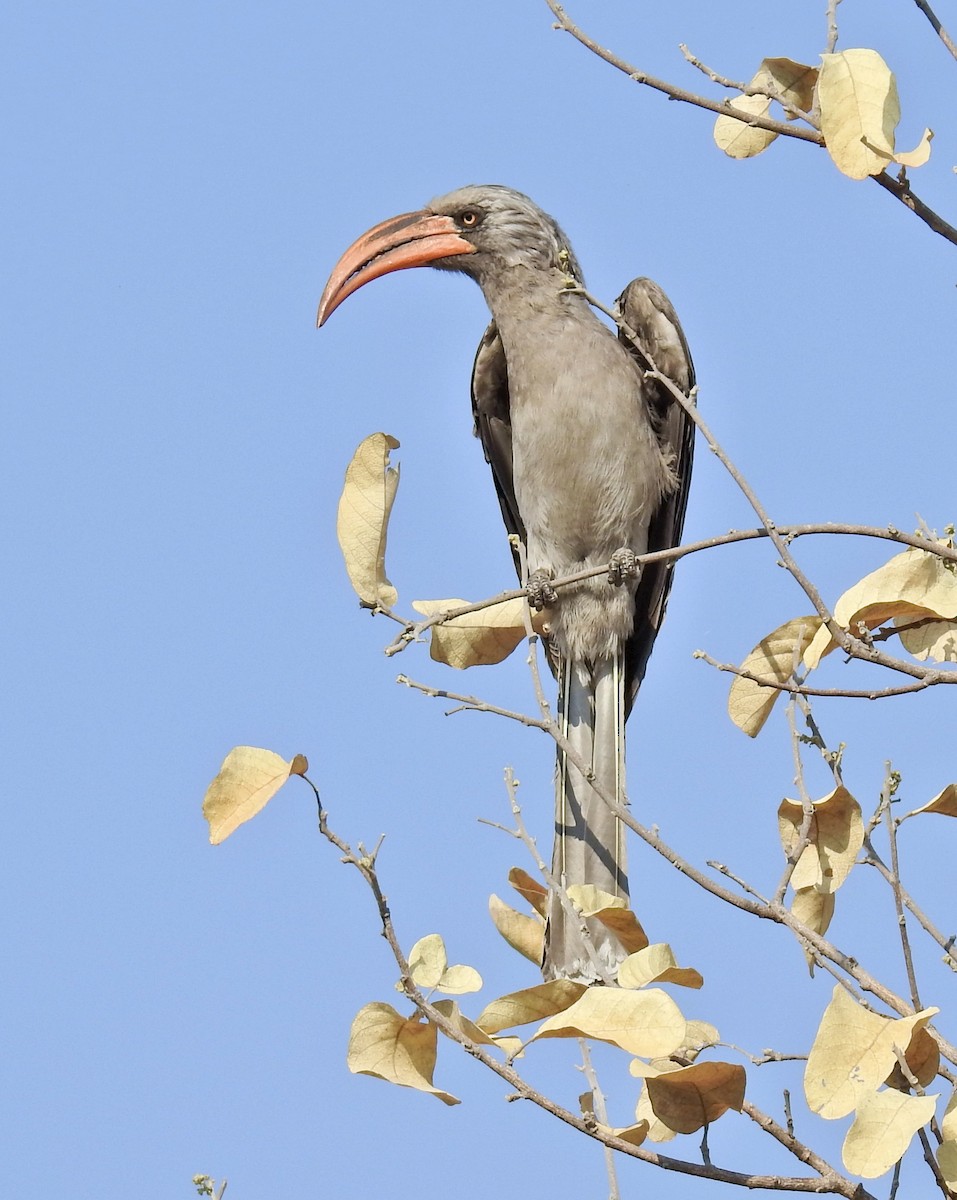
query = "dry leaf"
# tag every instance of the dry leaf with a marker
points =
(247, 781)
(363, 520)
(947, 1161)
(750, 704)
(882, 1131)
(428, 966)
(853, 1053)
(738, 139)
(656, 964)
(478, 638)
(791, 81)
(948, 1122)
(658, 1131)
(923, 1060)
(530, 889)
(524, 934)
(944, 802)
(390, 1047)
(815, 910)
(612, 911)
(908, 587)
(648, 1023)
(510, 1046)
(860, 109)
(689, 1098)
(530, 1004)
(835, 838)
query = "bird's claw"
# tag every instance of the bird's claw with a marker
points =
(623, 565)
(541, 594)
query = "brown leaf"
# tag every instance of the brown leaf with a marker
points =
(656, 964)
(944, 802)
(923, 1060)
(691, 1097)
(530, 889)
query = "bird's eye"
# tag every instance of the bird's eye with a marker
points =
(469, 219)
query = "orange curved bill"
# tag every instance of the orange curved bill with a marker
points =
(409, 240)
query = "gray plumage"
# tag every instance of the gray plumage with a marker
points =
(589, 458)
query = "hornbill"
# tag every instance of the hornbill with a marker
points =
(591, 460)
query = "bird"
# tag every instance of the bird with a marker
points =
(591, 460)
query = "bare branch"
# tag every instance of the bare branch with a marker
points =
(941, 32)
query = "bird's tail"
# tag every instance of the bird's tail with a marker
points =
(589, 838)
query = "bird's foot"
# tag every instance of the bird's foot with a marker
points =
(623, 565)
(541, 594)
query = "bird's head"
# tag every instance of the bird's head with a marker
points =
(484, 231)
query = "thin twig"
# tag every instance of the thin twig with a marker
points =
(941, 32)
(899, 189)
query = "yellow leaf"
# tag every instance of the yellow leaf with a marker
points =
(815, 910)
(738, 139)
(774, 657)
(459, 980)
(699, 1035)
(362, 525)
(524, 934)
(427, 961)
(791, 81)
(247, 781)
(613, 913)
(530, 889)
(923, 1060)
(882, 1131)
(530, 1004)
(648, 1023)
(634, 1135)
(944, 802)
(835, 837)
(390, 1047)
(947, 1161)
(860, 109)
(691, 1097)
(478, 638)
(909, 586)
(853, 1053)
(429, 968)
(919, 155)
(936, 640)
(948, 1123)
(656, 964)
(510, 1046)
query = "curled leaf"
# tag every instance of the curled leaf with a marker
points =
(788, 80)
(908, 587)
(524, 934)
(530, 889)
(247, 781)
(656, 964)
(362, 524)
(429, 968)
(478, 638)
(774, 657)
(510, 1046)
(835, 837)
(944, 802)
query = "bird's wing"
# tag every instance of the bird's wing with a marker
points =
(648, 311)
(493, 426)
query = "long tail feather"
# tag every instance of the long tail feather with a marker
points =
(589, 838)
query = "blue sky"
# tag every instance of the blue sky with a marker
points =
(180, 180)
